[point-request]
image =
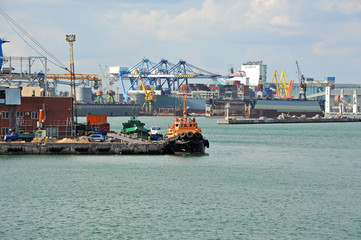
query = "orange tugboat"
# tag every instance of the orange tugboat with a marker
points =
(184, 137)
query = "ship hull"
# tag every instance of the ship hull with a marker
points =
(270, 108)
(273, 108)
(156, 137)
(187, 145)
(172, 103)
(137, 134)
(84, 109)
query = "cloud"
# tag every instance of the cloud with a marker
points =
(181, 27)
(283, 21)
(327, 48)
(323, 47)
(343, 6)
(339, 39)
(212, 19)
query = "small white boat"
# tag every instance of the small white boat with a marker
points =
(155, 134)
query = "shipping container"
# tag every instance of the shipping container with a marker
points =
(330, 78)
(96, 119)
(98, 127)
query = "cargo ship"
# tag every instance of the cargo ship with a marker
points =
(210, 100)
(270, 108)
(173, 103)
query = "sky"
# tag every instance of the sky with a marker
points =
(324, 36)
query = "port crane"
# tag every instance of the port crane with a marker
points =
(284, 87)
(298, 71)
(276, 78)
(2, 41)
(289, 89)
(162, 75)
(150, 97)
(80, 79)
(301, 77)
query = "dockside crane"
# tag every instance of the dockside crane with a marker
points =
(276, 78)
(150, 97)
(284, 87)
(2, 41)
(289, 89)
(298, 71)
(164, 74)
(303, 87)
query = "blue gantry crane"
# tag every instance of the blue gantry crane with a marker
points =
(162, 75)
(2, 41)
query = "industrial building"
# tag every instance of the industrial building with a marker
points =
(249, 74)
(27, 114)
(255, 70)
(343, 101)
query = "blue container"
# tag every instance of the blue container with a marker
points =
(330, 78)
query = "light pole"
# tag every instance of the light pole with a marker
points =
(70, 39)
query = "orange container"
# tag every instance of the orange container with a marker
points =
(96, 119)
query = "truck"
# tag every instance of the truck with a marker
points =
(42, 137)
(14, 136)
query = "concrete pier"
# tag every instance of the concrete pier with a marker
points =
(82, 148)
(290, 120)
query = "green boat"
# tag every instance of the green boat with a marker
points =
(135, 128)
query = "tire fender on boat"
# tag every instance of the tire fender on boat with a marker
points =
(190, 135)
(183, 135)
(198, 135)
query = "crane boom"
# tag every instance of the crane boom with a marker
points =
(301, 78)
(78, 76)
(299, 74)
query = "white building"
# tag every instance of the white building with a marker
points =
(253, 70)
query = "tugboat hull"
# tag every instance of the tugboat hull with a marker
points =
(187, 143)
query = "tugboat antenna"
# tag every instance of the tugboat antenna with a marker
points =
(184, 108)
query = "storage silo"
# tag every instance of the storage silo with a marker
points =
(84, 94)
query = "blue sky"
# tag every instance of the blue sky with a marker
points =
(322, 35)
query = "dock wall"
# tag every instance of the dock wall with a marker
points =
(295, 120)
(82, 148)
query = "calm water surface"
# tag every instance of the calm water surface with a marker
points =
(296, 181)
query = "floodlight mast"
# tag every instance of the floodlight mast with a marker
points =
(70, 39)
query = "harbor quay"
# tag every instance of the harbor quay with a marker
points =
(287, 120)
(92, 148)
(121, 145)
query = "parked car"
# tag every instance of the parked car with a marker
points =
(97, 137)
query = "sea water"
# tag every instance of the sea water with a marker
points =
(276, 181)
